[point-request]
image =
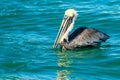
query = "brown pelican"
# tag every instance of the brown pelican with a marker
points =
(81, 37)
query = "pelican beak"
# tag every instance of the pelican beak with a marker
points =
(67, 20)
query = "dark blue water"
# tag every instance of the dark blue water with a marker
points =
(27, 32)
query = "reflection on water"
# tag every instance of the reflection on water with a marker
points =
(63, 62)
(68, 60)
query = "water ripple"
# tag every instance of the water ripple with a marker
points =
(28, 30)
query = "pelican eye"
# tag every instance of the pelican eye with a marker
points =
(65, 17)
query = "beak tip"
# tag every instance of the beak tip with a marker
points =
(54, 46)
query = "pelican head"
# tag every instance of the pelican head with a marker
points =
(66, 26)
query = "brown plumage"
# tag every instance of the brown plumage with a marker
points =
(84, 37)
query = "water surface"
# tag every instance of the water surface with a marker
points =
(27, 32)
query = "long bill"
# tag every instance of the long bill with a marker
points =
(63, 28)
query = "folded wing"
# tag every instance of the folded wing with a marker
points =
(84, 36)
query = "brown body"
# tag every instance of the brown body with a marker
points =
(84, 37)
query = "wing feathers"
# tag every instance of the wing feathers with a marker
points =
(86, 37)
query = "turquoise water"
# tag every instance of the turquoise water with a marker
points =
(27, 32)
